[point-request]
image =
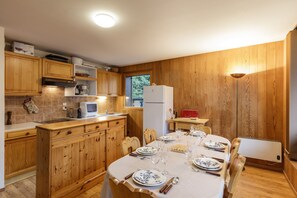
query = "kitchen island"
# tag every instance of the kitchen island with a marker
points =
(73, 156)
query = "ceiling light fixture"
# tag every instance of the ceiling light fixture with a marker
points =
(104, 20)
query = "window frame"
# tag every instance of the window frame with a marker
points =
(130, 74)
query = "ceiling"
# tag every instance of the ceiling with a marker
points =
(146, 30)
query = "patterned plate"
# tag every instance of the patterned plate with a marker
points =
(148, 178)
(167, 138)
(198, 134)
(214, 145)
(146, 150)
(207, 163)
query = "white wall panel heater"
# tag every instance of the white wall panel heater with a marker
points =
(261, 149)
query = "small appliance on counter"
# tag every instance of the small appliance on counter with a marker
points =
(82, 90)
(89, 109)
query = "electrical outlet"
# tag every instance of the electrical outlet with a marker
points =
(64, 106)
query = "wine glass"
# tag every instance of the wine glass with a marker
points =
(189, 153)
(155, 160)
(192, 129)
(164, 162)
(178, 134)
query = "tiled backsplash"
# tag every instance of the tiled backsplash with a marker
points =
(50, 105)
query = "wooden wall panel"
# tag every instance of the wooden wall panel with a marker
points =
(203, 82)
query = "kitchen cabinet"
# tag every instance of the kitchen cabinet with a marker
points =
(114, 137)
(114, 84)
(22, 75)
(102, 82)
(58, 70)
(72, 157)
(109, 83)
(20, 152)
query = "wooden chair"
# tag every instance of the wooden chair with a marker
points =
(150, 135)
(235, 172)
(130, 144)
(123, 189)
(234, 149)
(203, 128)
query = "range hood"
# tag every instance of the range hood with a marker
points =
(58, 82)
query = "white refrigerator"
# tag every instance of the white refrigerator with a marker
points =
(157, 108)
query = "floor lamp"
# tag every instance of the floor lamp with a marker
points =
(237, 76)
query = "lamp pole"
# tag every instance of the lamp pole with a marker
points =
(237, 76)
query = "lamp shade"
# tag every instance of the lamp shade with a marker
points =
(237, 75)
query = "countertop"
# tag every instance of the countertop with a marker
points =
(75, 123)
(19, 127)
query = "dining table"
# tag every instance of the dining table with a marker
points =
(191, 183)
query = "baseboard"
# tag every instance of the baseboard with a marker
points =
(291, 185)
(2, 189)
(265, 164)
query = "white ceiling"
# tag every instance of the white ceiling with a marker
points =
(146, 30)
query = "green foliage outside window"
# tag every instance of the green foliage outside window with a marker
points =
(137, 85)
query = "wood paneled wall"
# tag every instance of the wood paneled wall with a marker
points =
(203, 82)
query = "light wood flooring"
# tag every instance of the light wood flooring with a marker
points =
(254, 183)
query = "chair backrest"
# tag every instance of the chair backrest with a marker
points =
(122, 189)
(203, 128)
(130, 144)
(235, 172)
(234, 149)
(150, 135)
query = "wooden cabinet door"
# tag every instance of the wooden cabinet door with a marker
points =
(20, 156)
(102, 83)
(111, 146)
(59, 70)
(22, 75)
(66, 164)
(114, 138)
(114, 83)
(94, 153)
(120, 131)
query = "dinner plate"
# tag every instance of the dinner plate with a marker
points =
(167, 138)
(207, 163)
(214, 145)
(198, 134)
(146, 150)
(149, 178)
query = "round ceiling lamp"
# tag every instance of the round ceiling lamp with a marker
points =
(104, 20)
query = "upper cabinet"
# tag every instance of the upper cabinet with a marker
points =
(109, 83)
(102, 82)
(59, 70)
(22, 75)
(114, 84)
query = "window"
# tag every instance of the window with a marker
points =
(134, 89)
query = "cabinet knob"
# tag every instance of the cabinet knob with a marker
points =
(28, 133)
(97, 127)
(117, 122)
(69, 132)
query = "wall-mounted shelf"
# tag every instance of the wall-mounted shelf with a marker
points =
(90, 80)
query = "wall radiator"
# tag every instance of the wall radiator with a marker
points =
(261, 149)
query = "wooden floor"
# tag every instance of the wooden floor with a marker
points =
(254, 183)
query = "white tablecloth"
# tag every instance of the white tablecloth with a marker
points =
(191, 184)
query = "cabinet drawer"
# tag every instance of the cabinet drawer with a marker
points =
(116, 123)
(96, 127)
(71, 132)
(21, 134)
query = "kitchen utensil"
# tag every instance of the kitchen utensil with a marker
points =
(166, 185)
(174, 182)
(206, 172)
(9, 114)
(76, 60)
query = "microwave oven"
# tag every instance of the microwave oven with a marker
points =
(89, 109)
